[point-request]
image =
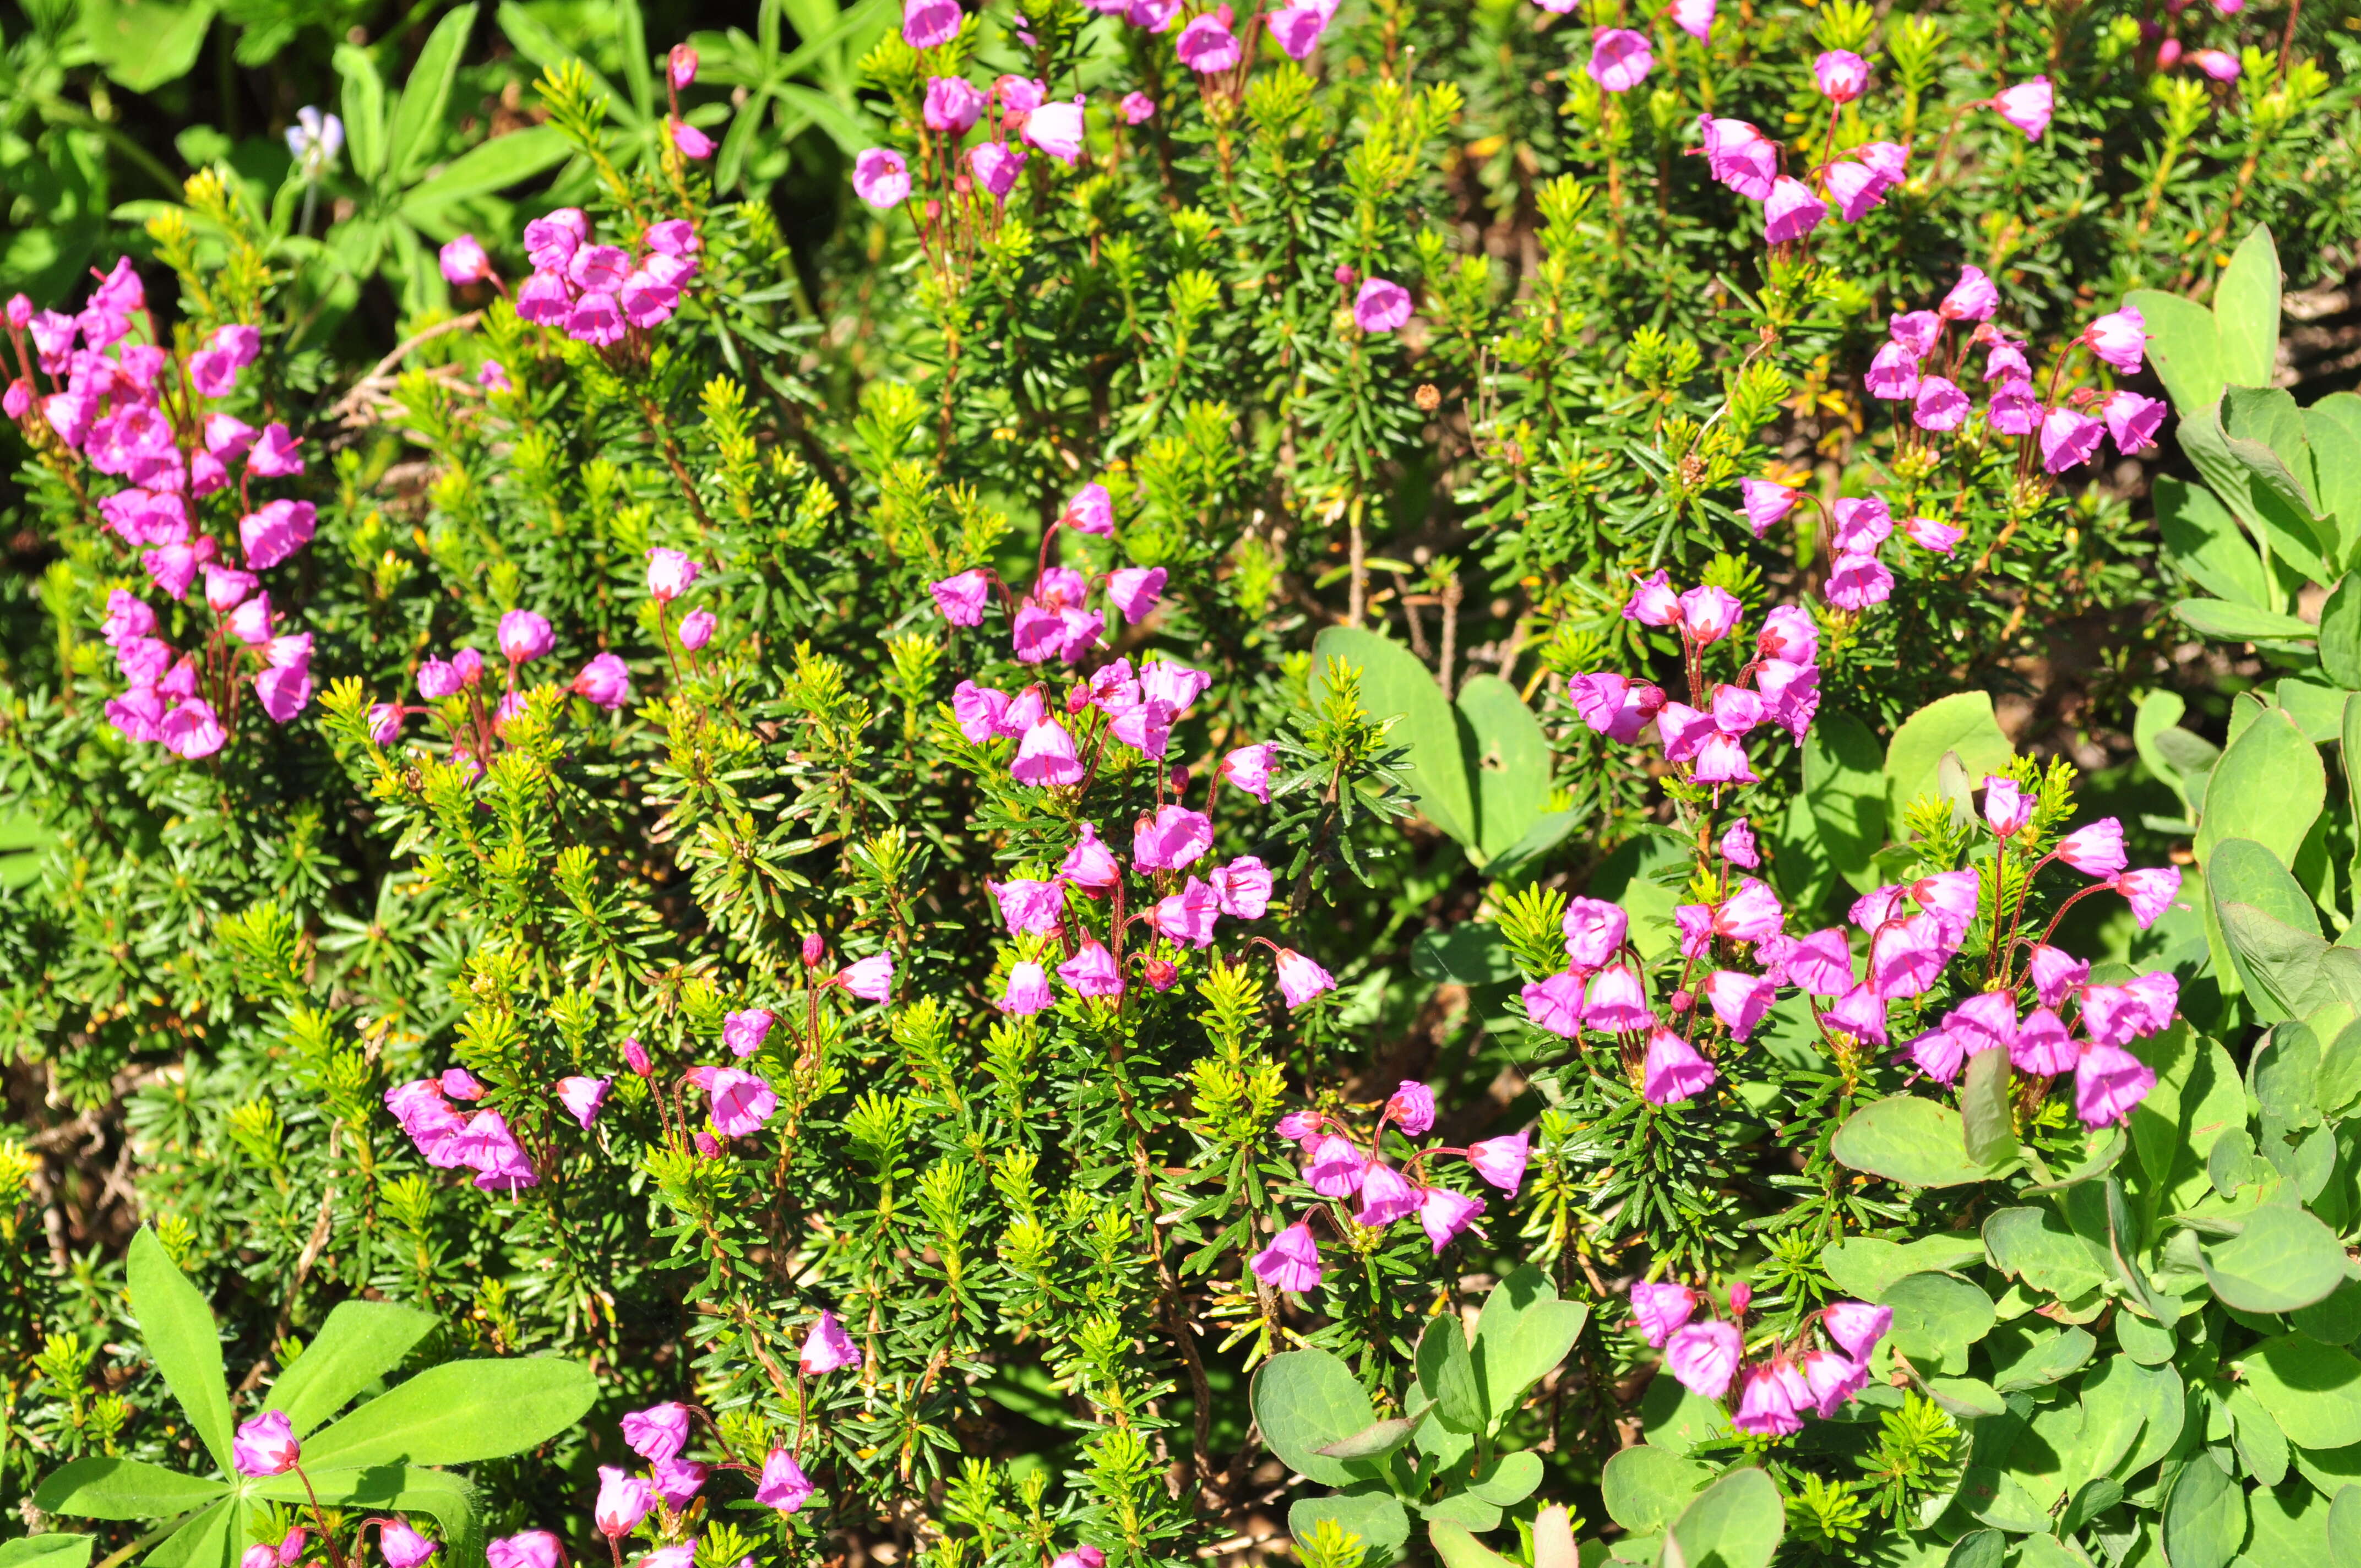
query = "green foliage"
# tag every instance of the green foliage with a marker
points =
(237, 983)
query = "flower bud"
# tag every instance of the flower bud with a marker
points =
(266, 1445)
(684, 66)
(635, 1056)
(815, 950)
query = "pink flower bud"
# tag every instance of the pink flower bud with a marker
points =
(464, 262)
(828, 1348)
(265, 1445)
(1842, 75)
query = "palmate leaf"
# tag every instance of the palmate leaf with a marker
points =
(373, 1458)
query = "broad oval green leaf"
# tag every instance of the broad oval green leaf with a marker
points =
(1844, 786)
(1968, 1399)
(1512, 1480)
(1646, 1487)
(1737, 1522)
(2204, 540)
(494, 165)
(177, 1326)
(1978, 1548)
(1304, 1400)
(364, 106)
(1962, 723)
(2268, 787)
(144, 45)
(1509, 764)
(1373, 1441)
(1462, 1508)
(2246, 312)
(2204, 1517)
(1446, 1375)
(2041, 1357)
(99, 1489)
(2312, 1390)
(1377, 1517)
(2282, 1260)
(2340, 633)
(1936, 1317)
(1909, 1139)
(2262, 1447)
(461, 1413)
(2037, 1246)
(2344, 1527)
(1460, 1550)
(1862, 1266)
(1523, 1331)
(1988, 1127)
(1473, 954)
(2184, 344)
(419, 114)
(1396, 685)
(212, 1540)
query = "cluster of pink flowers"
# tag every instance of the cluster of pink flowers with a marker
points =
(1054, 619)
(524, 636)
(740, 1101)
(2108, 1080)
(135, 413)
(1777, 1388)
(449, 1140)
(596, 294)
(1740, 156)
(1023, 114)
(1115, 705)
(266, 1445)
(1337, 1168)
(672, 1484)
(1911, 932)
(1705, 737)
(1912, 367)
(1165, 842)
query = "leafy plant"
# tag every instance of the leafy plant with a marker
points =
(382, 1454)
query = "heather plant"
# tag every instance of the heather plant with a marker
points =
(1270, 819)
